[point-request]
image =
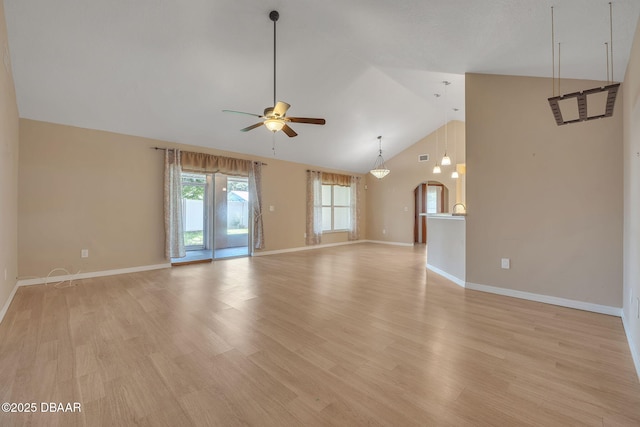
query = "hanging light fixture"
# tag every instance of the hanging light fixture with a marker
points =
(446, 160)
(379, 169)
(436, 168)
(454, 174)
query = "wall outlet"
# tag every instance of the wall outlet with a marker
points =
(84, 253)
(272, 208)
(505, 263)
(384, 231)
(406, 208)
(305, 235)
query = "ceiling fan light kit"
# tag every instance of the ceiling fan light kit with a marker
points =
(274, 118)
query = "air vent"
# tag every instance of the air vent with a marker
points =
(423, 158)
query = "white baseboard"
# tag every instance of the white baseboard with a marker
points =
(326, 245)
(634, 351)
(443, 273)
(91, 274)
(383, 242)
(306, 248)
(8, 302)
(563, 302)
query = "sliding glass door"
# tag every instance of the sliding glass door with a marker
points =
(215, 214)
(194, 211)
(231, 216)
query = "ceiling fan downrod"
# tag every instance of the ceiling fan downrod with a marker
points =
(274, 15)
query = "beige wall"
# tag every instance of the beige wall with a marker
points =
(631, 103)
(388, 197)
(548, 197)
(89, 189)
(8, 172)
(446, 245)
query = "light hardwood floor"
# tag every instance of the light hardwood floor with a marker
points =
(347, 336)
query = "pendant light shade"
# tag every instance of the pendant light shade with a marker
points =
(436, 169)
(454, 175)
(379, 169)
(446, 160)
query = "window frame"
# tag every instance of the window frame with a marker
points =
(333, 206)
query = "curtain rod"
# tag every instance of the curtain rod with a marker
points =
(173, 149)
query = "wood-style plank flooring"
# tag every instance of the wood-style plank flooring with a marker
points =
(345, 336)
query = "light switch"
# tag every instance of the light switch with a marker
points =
(505, 263)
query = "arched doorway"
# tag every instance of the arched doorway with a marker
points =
(430, 197)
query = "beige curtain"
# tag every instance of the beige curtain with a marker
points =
(314, 207)
(255, 198)
(336, 179)
(354, 230)
(173, 227)
(209, 163)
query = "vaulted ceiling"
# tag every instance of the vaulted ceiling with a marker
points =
(166, 69)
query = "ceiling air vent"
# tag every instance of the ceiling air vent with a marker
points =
(423, 158)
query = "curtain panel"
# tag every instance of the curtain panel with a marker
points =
(173, 226)
(314, 208)
(354, 230)
(255, 197)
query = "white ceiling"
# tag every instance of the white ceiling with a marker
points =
(166, 69)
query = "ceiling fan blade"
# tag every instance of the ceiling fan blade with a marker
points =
(248, 128)
(241, 112)
(281, 109)
(286, 129)
(306, 120)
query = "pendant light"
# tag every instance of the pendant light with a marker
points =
(379, 169)
(446, 160)
(454, 174)
(436, 168)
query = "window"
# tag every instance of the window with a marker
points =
(336, 208)
(434, 198)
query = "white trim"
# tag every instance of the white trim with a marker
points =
(383, 242)
(326, 245)
(306, 248)
(563, 302)
(634, 352)
(446, 275)
(91, 274)
(8, 303)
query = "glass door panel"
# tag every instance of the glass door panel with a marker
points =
(231, 222)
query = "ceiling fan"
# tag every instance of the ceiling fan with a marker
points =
(275, 118)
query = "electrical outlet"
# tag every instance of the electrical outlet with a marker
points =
(406, 208)
(272, 208)
(84, 253)
(305, 235)
(505, 263)
(384, 231)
